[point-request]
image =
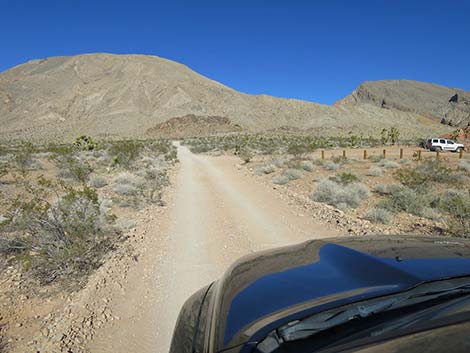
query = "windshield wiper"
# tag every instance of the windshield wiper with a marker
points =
(359, 312)
(324, 321)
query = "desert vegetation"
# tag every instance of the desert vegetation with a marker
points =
(64, 206)
(399, 194)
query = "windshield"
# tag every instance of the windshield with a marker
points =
(376, 316)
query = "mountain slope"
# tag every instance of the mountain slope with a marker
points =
(109, 95)
(450, 105)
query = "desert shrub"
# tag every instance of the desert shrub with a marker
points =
(464, 165)
(60, 149)
(71, 167)
(125, 189)
(280, 179)
(375, 158)
(375, 171)
(64, 238)
(299, 150)
(125, 152)
(3, 170)
(346, 178)
(307, 166)
(430, 170)
(23, 157)
(331, 165)
(408, 200)
(388, 164)
(267, 168)
(140, 190)
(244, 153)
(378, 215)
(97, 181)
(293, 174)
(339, 159)
(456, 204)
(125, 224)
(341, 196)
(84, 143)
(405, 161)
(386, 189)
(431, 213)
(280, 162)
(318, 161)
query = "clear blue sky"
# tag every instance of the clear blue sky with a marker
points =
(314, 50)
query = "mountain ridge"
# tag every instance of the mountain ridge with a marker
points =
(125, 96)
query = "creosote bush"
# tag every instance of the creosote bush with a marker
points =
(346, 178)
(59, 231)
(125, 152)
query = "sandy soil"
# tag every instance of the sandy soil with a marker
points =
(216, 213)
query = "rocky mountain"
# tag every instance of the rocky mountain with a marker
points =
(106, 95)
(449, 105)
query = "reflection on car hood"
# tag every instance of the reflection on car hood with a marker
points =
(263, 291)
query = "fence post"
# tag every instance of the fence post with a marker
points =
(344, 153)
(419, 155)
(437, 154)
(322, 154)
(384, 153)
(460, 154)
(401, 153)
(365, 154)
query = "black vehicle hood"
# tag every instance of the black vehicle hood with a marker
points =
(264, 290)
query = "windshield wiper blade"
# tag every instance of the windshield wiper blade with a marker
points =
(324, 321)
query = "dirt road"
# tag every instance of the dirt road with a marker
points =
(215, 213)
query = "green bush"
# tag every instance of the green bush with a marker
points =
(125, 152)
(299, 150)
(84, 143)
(409, 200)
(346, 178)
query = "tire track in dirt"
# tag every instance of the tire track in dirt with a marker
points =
(215, 214)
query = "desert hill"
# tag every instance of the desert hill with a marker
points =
(449, 105)
(107, 95)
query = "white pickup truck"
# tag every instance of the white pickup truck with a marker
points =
(441, 144)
